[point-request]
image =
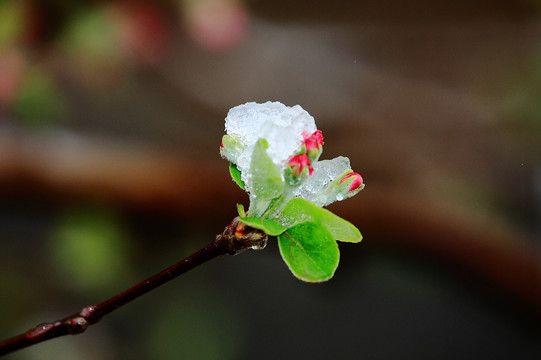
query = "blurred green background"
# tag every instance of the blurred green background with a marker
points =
(111, 113)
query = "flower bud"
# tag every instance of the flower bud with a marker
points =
(342, 187)
(354, 180)
(332, 180)
(345, 186)
(314, 145)
(298, 164)
(298, 168)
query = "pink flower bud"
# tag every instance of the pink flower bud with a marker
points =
(355, 182)
(314, 141)
(298, 163)
(313, 144)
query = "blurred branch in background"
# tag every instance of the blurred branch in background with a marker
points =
(69, 166)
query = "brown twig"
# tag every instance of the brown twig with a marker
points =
(236, 238)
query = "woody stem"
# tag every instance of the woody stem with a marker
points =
(231, 241)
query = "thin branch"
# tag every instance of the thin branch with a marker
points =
(236, 238)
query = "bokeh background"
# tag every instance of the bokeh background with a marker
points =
(111, 113)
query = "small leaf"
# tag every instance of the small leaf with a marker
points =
(266, 178)
(235, 174)
(309, 251)
(233, 145)
(268, 226)
(300, 210)
(240, 210)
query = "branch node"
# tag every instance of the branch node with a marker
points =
(76, 325)
(89, 314)
(240, 237)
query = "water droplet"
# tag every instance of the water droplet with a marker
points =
(260, 245)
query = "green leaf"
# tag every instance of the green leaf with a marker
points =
(266, 178)
(231, 147)
(240, 210)
(268, 226)
(309, 251)
(299, 210)
(235, 174)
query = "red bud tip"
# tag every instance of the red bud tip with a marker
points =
(314, 141)
(357, 181)
(298, 163)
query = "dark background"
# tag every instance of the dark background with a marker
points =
(111, 113)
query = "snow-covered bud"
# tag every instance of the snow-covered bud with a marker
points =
(275, 152)
(314, 145)
(353, 179)
(298, 168)
(299, 164)
(283, 129)
(332, 180)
